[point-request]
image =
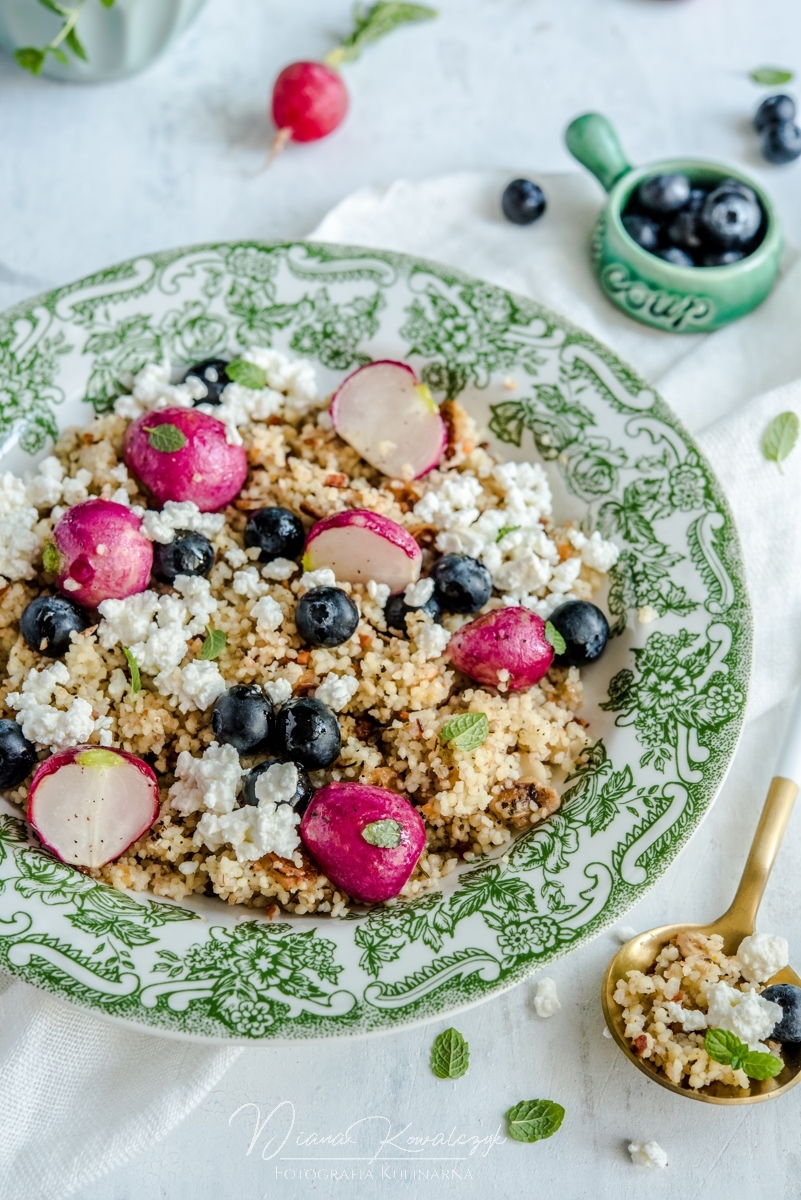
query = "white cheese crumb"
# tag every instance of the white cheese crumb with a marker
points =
(337, 690)
(268, 615)
(249, 583)
(19, 544)
(647, 1154)
(606, 1032)
(187, 868)
(594, 550)
(324, 419)
(279, 690)
(253, 832)
(761, 955)
(647, 614)
(546, 1001)
(197, 685)
(418, 594)
(45, 723)
(208, 783)
(279, 569)
(236, 557)
(278, 784)
(625, 933)
(156, 629)
(152, 391)
(690, 1019)
(743, 1013)
(431, 639)
(322, 577)
(162, 526)
(380, 592)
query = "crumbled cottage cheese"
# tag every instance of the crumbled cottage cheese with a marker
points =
(279, 569)
(430, 639)
(291, 388)
(647, 614)
(152, 390)
(594, 551)
(690, 1019)
(48, 725)
(249, 583)
(337, 690)
(546, 1001)
(323, 577)
(625, 933)
(236, 557)
(161, 526)
(380, 592)
(279, 690)
(419, 593)
(268, 615)
(208, 783)
(744, 1013)
(19, 544)
(197, 685)
(761, 955)
(647, 1154)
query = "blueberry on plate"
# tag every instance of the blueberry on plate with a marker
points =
(396, 611)
(17, 755)
(643, 230)
(776, 110)
(306, 731)
(187, 554)
(523, 202)
(326, 616)
(303, 792)
(781, 143)
(211, 372)
(48, 621)
(731, 218)
(676, 256)
(461, 584)
(242, 717)
(789, 997)
(585, 630)
(277, 532)
(664, 193)
(722, 258)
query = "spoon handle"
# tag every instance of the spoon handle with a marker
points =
(741, 916)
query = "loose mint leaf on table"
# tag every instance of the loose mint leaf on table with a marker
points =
(555, 638)
(374, 23)
(450, 1055)
(466, 732)
(247, 374)
(534, 1120)
(51, 559)
(167, 437)
(133, 667)
(771, 76)
(386, 834)
(213, 645)
(780, 437)
(725, 1047)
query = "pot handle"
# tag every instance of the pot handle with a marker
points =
(592, 140)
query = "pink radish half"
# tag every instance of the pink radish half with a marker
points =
(359, 545)
(88, 804)
(367, 840)
(102, 553)
(390, 419)
(505, 639)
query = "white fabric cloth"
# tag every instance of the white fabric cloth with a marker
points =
(725, 386)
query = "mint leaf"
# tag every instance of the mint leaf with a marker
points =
(758, 1065)
(213, 645)
(166, 438)
(780, 437)
(247, 374)
(724, 1047)
(133, 666)
(466, 732)
(51, 6)
(107, 3)
(450, 1055)
(771, 76)
(72, 40)
(374, 23)
(506, 529)
(386, 834)
(30, 59)
(555, 638)
(51, 559)
(534, 1120)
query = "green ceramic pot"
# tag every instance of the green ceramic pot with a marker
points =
(655, 292)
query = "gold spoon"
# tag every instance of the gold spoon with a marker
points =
(736, 923)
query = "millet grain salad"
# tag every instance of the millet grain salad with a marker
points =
(149, 670)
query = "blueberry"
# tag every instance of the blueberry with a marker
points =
(696, 199)
(187, 554)
(731, 218)
(735, 185)
(17, 755)
(664, 193)
(277, 532)
(776, 110)
(722, 258)
(326, 616)
(303, 793)
(243, 718)
(585, 630)
(396, 610)
(461, 583)
(686, 232)
(677, 256)
(306, 731)
(643, 230)
(523, 202)
(781, 143)
(211, 372)
(789, 996)
(48, 621)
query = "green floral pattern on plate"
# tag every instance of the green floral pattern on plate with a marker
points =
(666, 702)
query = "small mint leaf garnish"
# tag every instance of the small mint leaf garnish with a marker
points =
(374, 23)
(247, 374)
(506, 529)
(554, 637)
(725, 1047)
(771, 76)
(450, 1055)
(534, 1120)
(758, 1065)
(213, 645)
(722, 1045)
(133, 667)
(51, 559)
(466, 732)
(780, 437)
(386, 834)
(166, 438)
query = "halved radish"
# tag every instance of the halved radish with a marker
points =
(359, 545)
(390, 419)
(88, 804)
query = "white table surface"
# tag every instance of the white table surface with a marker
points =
(95, 175)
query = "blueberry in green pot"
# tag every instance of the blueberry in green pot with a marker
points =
(461, 584)
(789, 997)
(277, 532)
(677, 256)
(264, 783)
(242, 717)
(17, 755)
(306, 731)
(722, 258)
(731, 217)
(585, 630)
(644, 230)
(48, 621)
(523, 202)
(326, 616)
(188, 553)
(661, 194)
(211, 373)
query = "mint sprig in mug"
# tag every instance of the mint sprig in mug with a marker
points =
(649, 289)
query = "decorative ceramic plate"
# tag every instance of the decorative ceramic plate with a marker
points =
(666, 702)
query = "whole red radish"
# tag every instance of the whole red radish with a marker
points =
(310, 101)
(99, 553)
(367, 840)
(506, 639)
(183, 454)
(88, 804)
